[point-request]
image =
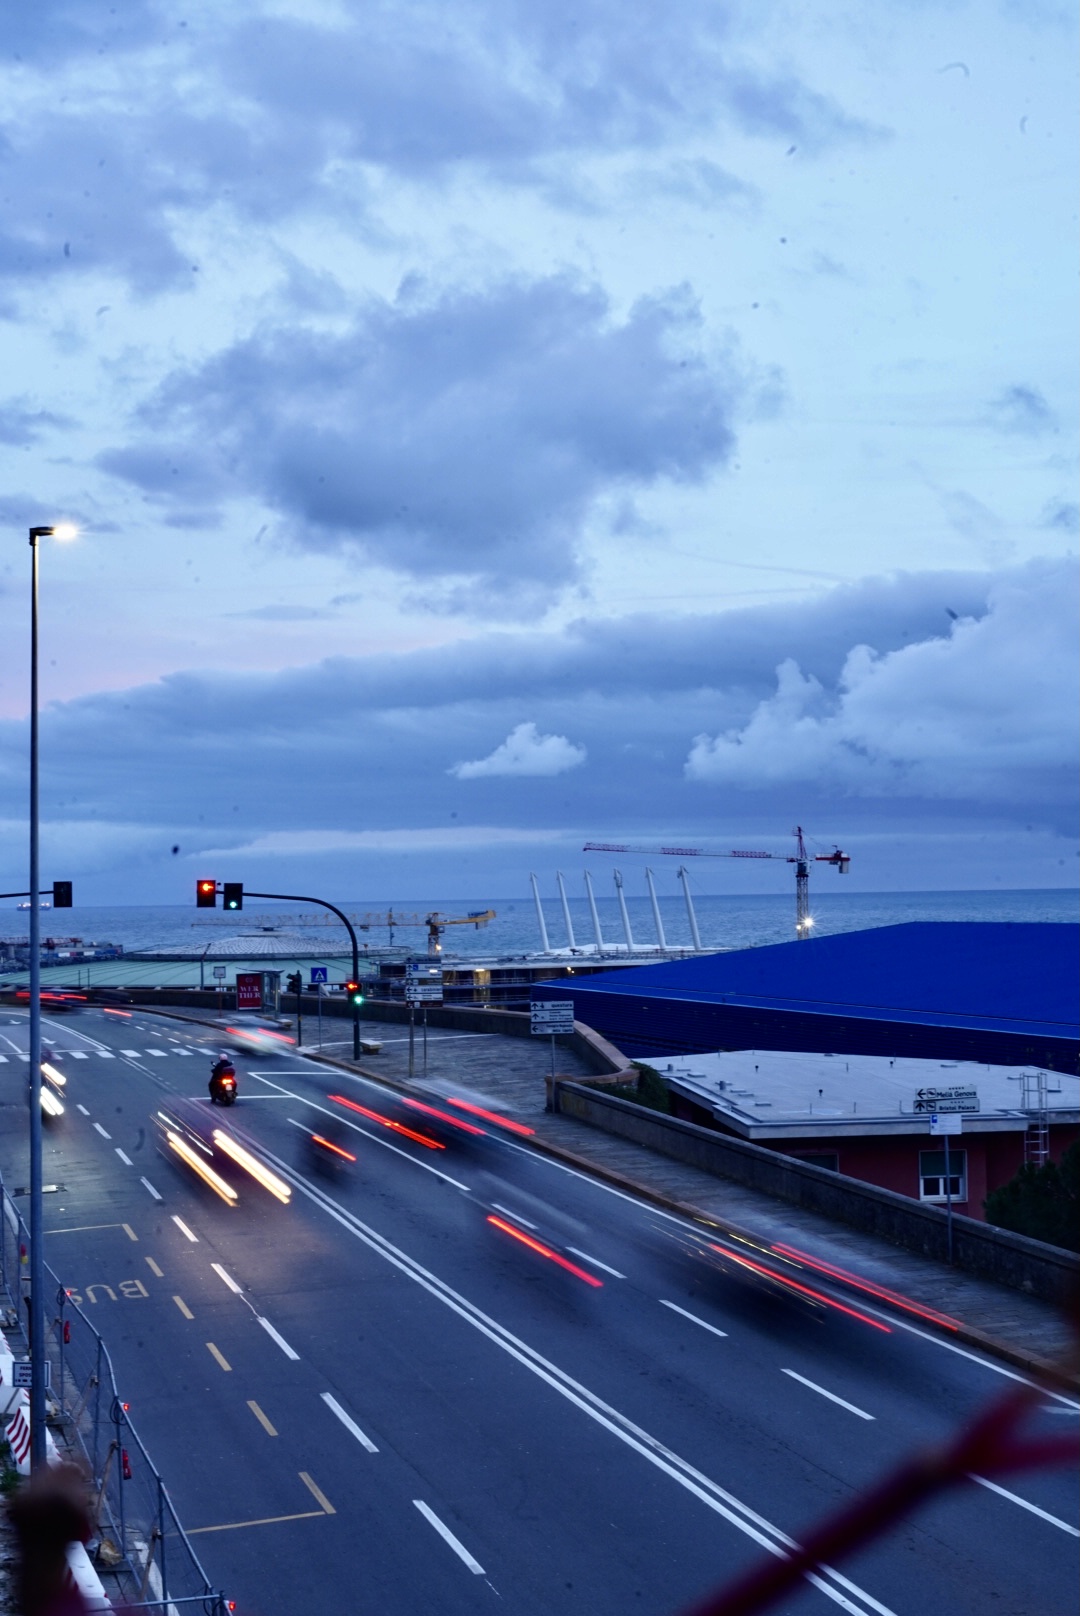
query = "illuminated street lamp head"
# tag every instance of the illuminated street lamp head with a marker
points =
(59, 530)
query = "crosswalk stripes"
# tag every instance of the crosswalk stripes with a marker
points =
(103, 1054)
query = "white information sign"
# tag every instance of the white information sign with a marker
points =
(550, 1016)
(950, 1122)
(22, 1374)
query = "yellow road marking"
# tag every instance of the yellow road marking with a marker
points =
(222, 1360)
(129, 1231)
(317, 1493)
(261, 1417)
(267, 1520)
(154, 1269)
(185, 1310)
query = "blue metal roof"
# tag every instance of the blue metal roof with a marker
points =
(1005, 977)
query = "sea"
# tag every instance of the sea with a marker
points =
(723, 922)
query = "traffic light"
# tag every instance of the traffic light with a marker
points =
(61, 894)
(232, 895)
(354, 993)
(294, 984)
(206, 894)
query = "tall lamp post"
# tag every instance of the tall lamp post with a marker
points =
(37, 1236)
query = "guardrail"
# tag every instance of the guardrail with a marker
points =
(139, 1548)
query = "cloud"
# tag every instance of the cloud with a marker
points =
(984, 713)
(462, 437)
(1023, 410)
(22, 425)
(426, 839)
(525, 751)
(1062, 515)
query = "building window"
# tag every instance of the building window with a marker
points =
(932, 1183)
(820, 1158)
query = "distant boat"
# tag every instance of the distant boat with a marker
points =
(45, 904)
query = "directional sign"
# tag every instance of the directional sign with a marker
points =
(550, 1016)
(423, 993)
(319, 972)
(951, 1099)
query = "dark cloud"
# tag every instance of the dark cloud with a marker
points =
(21, 424)
(462, 438)
(1023, 410)
(1061, 515)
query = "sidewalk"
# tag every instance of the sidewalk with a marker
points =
(511, 1071)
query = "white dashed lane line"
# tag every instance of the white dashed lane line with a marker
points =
(280, 1339)
(184, 1230)
(83, 1109)
(229, 1280)
(145, 1182)
(675, 1308)
(125, 1159)
(1043, 1514)
(101, 1131)
(595, 1262)
(350, 1424)
(841, 1401)
(448, 1537)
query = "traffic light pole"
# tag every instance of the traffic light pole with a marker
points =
(293, 897)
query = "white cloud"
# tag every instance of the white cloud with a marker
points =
(293, 843)
(986, 713)
(525, 751)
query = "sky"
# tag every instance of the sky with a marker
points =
(495, 427)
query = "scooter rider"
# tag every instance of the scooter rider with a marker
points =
(222, 1068)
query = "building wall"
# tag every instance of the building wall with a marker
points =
(891, 1161)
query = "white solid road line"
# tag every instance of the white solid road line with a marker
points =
(596, 1263)
(350, 1424)
(814, 1387)
(229, 1280)
(83, 1109)
(182, 1226)
(445, 1533)
(125, 1159)
(675, 1308)
(1043, 1514)
(280, 1339)
(101, 1131)
(145, 1182)
(827, 1579)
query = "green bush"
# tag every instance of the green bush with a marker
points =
(1041, 1202)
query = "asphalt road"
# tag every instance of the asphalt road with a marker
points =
(374, 1399)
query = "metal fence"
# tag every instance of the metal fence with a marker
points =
(139, 1549)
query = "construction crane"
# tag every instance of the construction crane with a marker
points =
(801, 859)
(435, 922)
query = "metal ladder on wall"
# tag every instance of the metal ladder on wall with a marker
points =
(1037, 1134)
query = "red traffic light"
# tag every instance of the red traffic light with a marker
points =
(206, 894)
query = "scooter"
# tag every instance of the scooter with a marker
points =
(223, 1086)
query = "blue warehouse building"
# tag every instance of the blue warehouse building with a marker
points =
(998, 993)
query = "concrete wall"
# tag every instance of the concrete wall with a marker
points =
(996, 1254)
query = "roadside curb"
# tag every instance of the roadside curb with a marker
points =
(968, 1334)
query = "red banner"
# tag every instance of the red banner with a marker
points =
(248, 990)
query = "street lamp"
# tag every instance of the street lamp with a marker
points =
(37, 1236)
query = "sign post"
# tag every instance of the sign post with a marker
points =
(423, 985)
(947, 1124)
(550, 1017)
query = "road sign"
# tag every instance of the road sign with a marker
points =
(22, 1374)
(219, 972)
(423, 982)
(949, 1123)
(956, 1098)
(319, 973)
(550, 1016)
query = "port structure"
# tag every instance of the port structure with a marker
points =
(393, 919)
(801, 859)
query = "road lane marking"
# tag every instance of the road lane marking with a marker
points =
(127, 1163)
(1043, 1514)
(222, 1360)
(814, 1387)
(74, 1054)
(83, 1109)
(128, 1230)
(267, 1520)
(162, 1054)
(596, 1263)
(145, 1182)
(185, 1310)
(350, 1424)
(448, 1537)
(827, 1579)
(84, 1228)
(154, 1269)
(229, 1280)
(675, 1308)
(182, 1226)
(318, 1494)
(132, 1054)
(261, 1417)
(280, 1339)
(101, 1131)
